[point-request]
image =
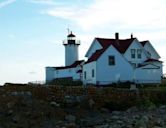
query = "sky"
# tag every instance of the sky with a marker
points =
(32, 31)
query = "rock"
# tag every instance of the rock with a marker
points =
(132, 110)
(158, 127)
(72, 101)
(159, 122)
(71, 125)
(26, 94)
(133, 87)
(103, 126)
(115, 117)
(119, 122)
(91, 103)
(104, 110)
(162, 107)
(90, 122)
(13, 93)
(4, 95)
(141, 123)
(16, 119)
(116, 113)
(10, 104)
(79, 99)
(151, 107)
(10, 112)
(136, 117)
(146, 119)
(70, 118)
(54, 104)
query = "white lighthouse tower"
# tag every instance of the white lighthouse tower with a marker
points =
(71, 49)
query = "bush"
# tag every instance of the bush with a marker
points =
(145, 103)
(65, 82)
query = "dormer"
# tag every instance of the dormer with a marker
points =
(93, 48)
(150, 50)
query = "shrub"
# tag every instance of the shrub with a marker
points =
(145, 103)
(65, 82)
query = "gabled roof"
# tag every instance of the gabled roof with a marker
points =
(120, 45)
(75, 64)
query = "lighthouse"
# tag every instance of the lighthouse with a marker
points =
(71, 49)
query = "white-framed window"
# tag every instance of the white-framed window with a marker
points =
(139, 53)
(133, 51)
(111, 60)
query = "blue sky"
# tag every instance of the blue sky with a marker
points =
(32, 30)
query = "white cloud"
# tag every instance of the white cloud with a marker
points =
(65, 13)
(46, 2)
(6, 2)
(125, 14)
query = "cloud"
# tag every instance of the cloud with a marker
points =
(62, 12)
(46, 2)
(6, 2)
(32, 72)
(123, 14)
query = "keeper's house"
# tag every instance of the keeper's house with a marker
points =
(110, 61)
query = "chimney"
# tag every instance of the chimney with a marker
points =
(131, 35)
(117, 38)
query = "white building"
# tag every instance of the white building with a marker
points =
(110, 61)
(116, 60)
(73, 66)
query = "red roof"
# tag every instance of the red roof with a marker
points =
(120, 45)
(79, 71)
(144, 42)
(75, 64)
(152, 60)
(95, 56)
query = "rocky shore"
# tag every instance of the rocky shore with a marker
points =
(26, 109)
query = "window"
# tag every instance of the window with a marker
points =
(85, 75)
(111, 60)
(57, 71)
(139, 53)
(93, 72)
(132, 53)
(149, 54)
